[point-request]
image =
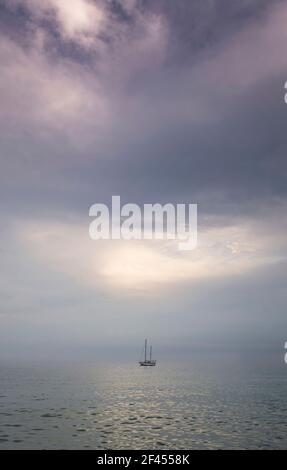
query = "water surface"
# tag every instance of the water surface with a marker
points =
(122, 406)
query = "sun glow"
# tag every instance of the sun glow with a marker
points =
(141, 264)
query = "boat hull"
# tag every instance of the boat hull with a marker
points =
(147, 363)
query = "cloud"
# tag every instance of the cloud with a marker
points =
(60, 95)
(253, 53)
(97, 28)
(157, 102)
(77, 20)
(44, 97)
(126, 72)
(78, 17)
(136, 265)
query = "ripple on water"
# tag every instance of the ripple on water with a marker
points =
(140, 415)
(8, 425)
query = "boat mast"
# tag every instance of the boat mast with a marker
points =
(150, 351)
(145, 343)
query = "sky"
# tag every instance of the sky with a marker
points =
(159, 102)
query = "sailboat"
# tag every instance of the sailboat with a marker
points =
(150, 361)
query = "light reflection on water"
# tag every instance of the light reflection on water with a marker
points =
(173, 406)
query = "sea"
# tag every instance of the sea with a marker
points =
(215, 401)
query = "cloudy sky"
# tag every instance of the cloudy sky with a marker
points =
(155, 101)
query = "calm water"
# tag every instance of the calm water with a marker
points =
(176, 406)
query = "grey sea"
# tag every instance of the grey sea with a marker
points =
(201, 403)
